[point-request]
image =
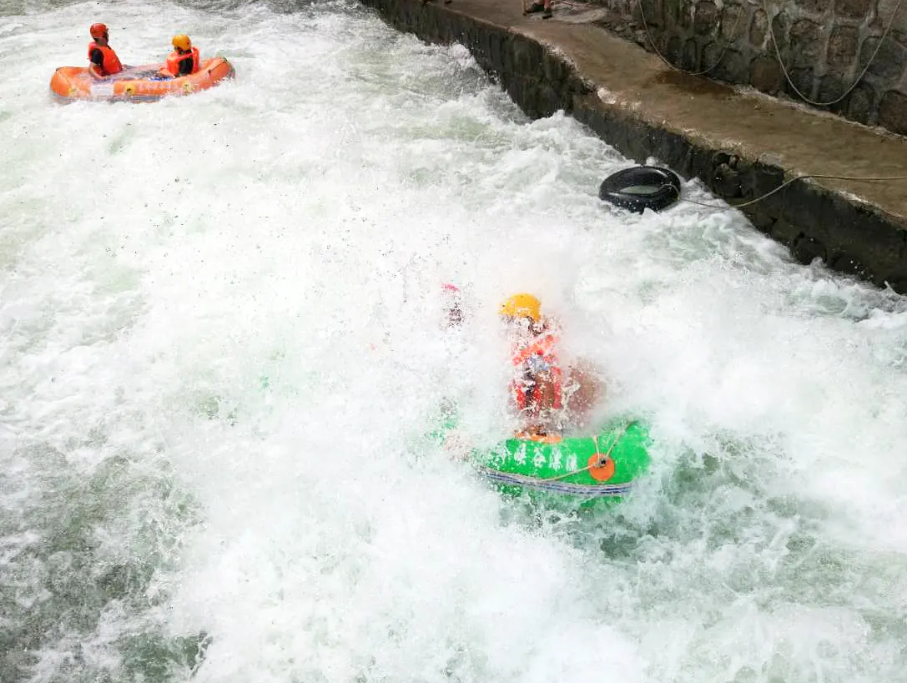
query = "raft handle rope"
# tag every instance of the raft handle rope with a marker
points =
(598, 463)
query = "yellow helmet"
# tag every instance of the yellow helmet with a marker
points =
(522, 306)
(182, 42)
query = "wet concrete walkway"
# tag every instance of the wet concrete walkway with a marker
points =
(622, 82)
(798, 140)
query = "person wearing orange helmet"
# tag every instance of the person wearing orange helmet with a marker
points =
(104, 61)
(184, 59)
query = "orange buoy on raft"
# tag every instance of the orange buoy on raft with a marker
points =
(137, 84)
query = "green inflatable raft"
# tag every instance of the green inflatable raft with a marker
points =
(575, 473)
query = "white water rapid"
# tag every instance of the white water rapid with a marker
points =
(220, 341)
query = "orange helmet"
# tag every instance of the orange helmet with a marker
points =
(98, 30)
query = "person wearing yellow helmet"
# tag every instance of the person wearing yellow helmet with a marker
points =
(537, 383)
(522, 306)
(184, 59)
(548, 395)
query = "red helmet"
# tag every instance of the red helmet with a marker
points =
(98, 30)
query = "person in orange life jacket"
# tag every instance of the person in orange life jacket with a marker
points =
(549, 393)
(537, 384)
(184, 59)
(104, 61)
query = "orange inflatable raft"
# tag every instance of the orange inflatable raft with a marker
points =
(137, 83)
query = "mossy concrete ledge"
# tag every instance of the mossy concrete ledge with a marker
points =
(741, 145)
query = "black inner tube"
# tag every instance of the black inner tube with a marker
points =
(640, 188)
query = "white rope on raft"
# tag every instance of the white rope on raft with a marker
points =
(575, 489)
(598, 463)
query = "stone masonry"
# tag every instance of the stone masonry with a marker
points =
(824, 45)
(742, 147)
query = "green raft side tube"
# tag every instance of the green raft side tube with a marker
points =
(557, 474)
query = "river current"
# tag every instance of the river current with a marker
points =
(221, 339)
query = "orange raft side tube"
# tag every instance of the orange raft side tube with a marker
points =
(73, 83)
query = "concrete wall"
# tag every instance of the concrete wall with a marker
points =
(824, 44)
(848, 236)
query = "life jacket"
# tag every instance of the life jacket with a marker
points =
(111, 64)
(544, 347)
(173, 61)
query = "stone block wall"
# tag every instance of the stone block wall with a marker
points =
(824, 45)
(815, 222)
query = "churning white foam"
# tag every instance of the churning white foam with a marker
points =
(222, 341)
